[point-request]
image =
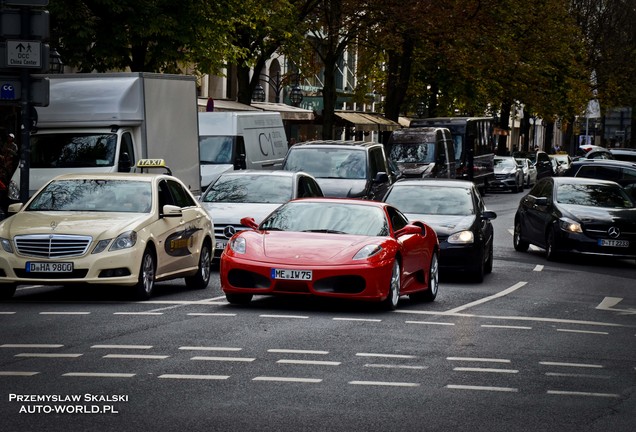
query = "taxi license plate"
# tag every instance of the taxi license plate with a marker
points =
(44, 267)
(291, 274)
(613, 243)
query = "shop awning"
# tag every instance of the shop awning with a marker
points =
(404, 121)
(224, 105)
(287, 112)
(367, 122)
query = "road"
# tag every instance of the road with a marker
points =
(539, 346)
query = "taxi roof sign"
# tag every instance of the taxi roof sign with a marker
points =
(153, 163)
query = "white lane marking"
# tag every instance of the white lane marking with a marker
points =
(140, 347)
(391, 366)
(608, 304)
(64, 313)
(136, 356)
(99, 374)
(215, 300)
(164, 308)
(514, 318)
(582, 331)
(538, 268)
(357, 319)
(489, 298)
(7, 313)
(137, 313)
(294, 351)
(430, 323)
(17, 373)
(404, 356)
(576, 393)
(478, 359)
(227, 359)
(573, 375)
(482, 388)
(202, 348)
(467, 369)
(284, 316)
(577, 365)
(31, 346)
(194, 377)
(48, 355)
(309, 362)
(211, 314)
(287, 379)
(385, 383)
(506, 327)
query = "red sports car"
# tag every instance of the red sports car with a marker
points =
(342, 248)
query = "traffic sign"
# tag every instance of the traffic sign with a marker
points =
(11, 24)
(24, 53)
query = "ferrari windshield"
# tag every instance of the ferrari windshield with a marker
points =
(340, 218)
(250, 189)
(94, 195)
(594, 195)
(432, 200)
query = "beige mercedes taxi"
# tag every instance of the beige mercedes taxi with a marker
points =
(126, 229)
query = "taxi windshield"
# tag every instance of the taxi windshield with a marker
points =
(94, 195)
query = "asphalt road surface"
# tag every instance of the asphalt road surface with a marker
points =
(539, 346)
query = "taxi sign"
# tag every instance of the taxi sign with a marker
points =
(153, 163)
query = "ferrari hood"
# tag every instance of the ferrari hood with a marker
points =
(94, 224)
(311, 248)
(444, 225)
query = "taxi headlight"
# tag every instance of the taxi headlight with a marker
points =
(462, 237)
(124, 241)
(569, 225)
(367, 251)
(101, 246)
(6, 245)
(238, 245)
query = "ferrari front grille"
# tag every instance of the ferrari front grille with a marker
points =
(52, 245)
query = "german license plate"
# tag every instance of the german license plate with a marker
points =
(220, 244)
(45, 267)
(291, 274)
(613, 243)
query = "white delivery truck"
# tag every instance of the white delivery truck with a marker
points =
(105, 122)
(240, 140)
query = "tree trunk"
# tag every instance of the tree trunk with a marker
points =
(399, 73)
(504, 122)
(329, 97)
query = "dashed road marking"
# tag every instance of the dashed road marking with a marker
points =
(17, 373)
(489, 370)
(194, 377)
(403, 356)
(31, 346)
(309, 362)
(287, 379)
(482, 388)
(284, 316)
(99, 374)
(296, 351)
(48, 355)
(139, 347)
(226, 359)
(478, 359)
(136, 356)
(385, 383)
(577, 393)
(576, 365)
(203, 348)
(582, 331)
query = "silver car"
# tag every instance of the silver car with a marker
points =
(529, 171)
(252, 193)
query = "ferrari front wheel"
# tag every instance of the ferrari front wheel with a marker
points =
(430, 294)
(391, 301)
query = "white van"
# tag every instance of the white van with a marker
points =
(239, 140)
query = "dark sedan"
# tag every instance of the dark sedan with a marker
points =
(577, 215)
(456, 211)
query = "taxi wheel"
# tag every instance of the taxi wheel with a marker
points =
(202, 278)
(7, 291)
(146, 283)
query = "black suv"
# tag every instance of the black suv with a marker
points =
(622, 172)
(344, 169)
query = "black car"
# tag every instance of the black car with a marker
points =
(544, 166)
(456, 211)
(343, 169)
(577, 215)
(622, 172)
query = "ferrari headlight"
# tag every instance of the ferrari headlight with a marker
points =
(238, 245)
(570, 226)
(367, 251)
(6, 245)
(101, 246)
(462, 237)
(124, 241)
